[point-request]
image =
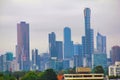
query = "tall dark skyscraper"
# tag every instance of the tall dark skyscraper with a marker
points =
(101, 43)
(52, 45)
(68, 44)
(22, 52)
(89, 47)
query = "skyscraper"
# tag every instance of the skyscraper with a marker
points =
(22, 47)
(89, 47)
(35, 60)
(8, 60)
(115, 54)
(78, 57)
(9, 56)
(2, 63)
(101, 43)
(68, 44)
(99, 59)
(52, 45)
(59, 50)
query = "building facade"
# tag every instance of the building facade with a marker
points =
(52, 45)
(83, 76)
(101, 43)
(89, 42)
(99, 59)
(22, 52)
(78, 56)
(59, 50)
(68, 44)
(115, 54)
(114, 70)
(35, 60)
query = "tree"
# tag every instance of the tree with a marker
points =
(30, 76)
(1, 76)
(18, 74)
(49, 74)
(98, 69)
(8, 77)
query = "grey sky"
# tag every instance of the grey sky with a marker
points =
(45, 16)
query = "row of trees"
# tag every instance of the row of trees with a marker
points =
(6, 77)
(48, 74)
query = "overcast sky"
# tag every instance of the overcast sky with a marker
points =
(45, 16)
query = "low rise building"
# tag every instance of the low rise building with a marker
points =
(83, 70)
(114, 70)
(15, 66)
(83, 73)
(83, 76)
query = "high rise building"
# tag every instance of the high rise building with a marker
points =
(99, 59)
(83, 45)
(66, 64)
(1, 63)
(9, 56)
(89, 44)
(78, 56)
(101, 43)
(68, 44)
(5, 62)
(115, 54)
(45, 58)
(14, 65)
(59, 50)
(35, 60)
(52, 45)
(22, 55)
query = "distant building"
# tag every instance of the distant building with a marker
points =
(2, 63)
(115, 54)
(114, 70)
(88, 43)
(59, 50)
(99, 59)
(76, 61)
(83, 45)
(14, 66)
(83, 76)
(68, 44)
(52, 63)
(45, 58)
(35, 60)
(22, 52)
(66, 64)
(59, 65)
(52, 45)
(9, 56)
(78, 56)
(55, 64)
(8, 61)
(101, 43)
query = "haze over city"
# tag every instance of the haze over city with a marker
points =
(45, 16)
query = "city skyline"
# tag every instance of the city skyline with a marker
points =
(53, 17)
